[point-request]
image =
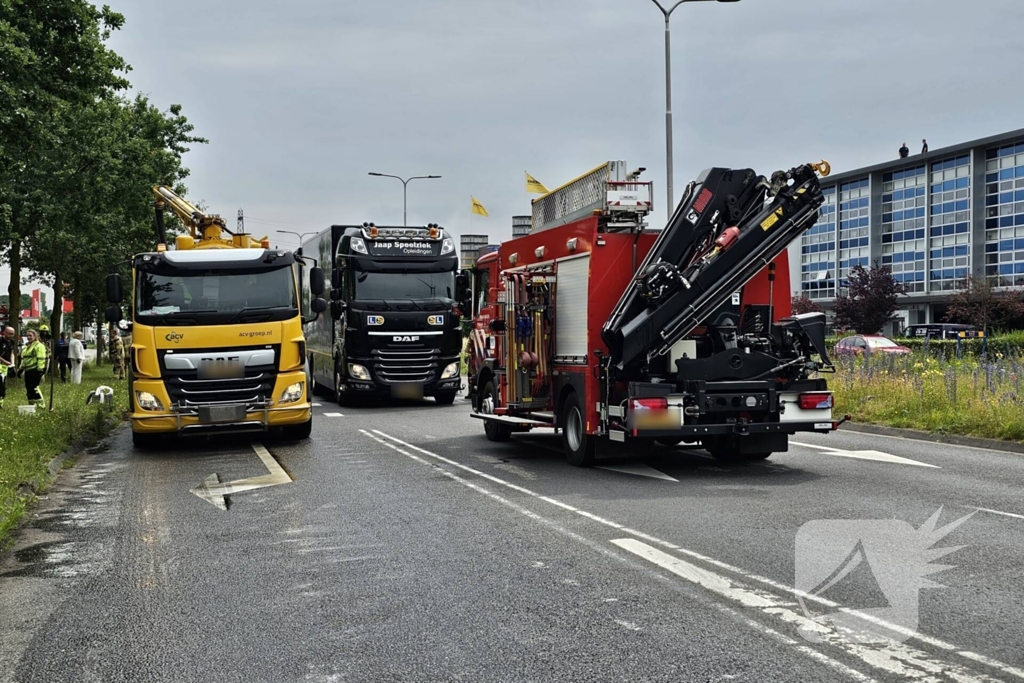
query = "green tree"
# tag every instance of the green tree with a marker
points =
(870, 300)
(977, 302)
(53, 58)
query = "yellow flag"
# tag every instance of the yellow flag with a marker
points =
(534, 185)
(478, 208)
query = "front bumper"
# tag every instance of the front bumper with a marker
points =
(378, 386)
(258, 416)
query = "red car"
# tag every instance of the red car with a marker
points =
(868, 344)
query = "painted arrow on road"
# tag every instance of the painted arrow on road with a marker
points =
(877, 456)
(213, 491)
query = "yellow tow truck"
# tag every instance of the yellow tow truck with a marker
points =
(217, 337)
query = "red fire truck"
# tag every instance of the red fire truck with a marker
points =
(603, 329)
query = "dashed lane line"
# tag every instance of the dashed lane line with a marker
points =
(917, 658)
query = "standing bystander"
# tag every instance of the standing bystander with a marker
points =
(63, 360)
(7, 344)
(33, 366)
(76, 354)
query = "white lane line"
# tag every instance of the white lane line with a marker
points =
(639, 469)
(893, 658)
(878, 456)
(333, 415)
(602, 550)
(999, 512)
(315, 405)
(824, 602)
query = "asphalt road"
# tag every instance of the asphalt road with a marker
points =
(403, 546)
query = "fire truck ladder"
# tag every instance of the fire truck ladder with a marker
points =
(721, 235)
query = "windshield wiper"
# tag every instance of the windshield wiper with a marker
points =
(253, 309)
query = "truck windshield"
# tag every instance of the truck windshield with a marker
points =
(405, 285)
(170, 295)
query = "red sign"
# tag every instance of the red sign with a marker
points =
(36, 304)
(69, 306)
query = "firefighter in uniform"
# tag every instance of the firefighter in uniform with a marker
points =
(117, 353)
(33, 367)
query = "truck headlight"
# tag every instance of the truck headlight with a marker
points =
(293, 393)
(357, 371)
(447, 246)
(148, 401)
(452, 370)
(358, 245)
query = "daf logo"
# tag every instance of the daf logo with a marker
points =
(405, 338)
(174, 337)
(221, 359)
(374, 320)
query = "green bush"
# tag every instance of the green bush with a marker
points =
(29, 442)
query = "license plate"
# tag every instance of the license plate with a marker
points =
(823, 425)
(221, 369)
(656, 419)
(407, 390)
(222, 413)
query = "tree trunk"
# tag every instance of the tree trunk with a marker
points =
(99, 339)
(14, 288)
(58, 306)
(76, 314)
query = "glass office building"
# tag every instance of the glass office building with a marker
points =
(933, 219)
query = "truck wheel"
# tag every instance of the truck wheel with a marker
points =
(495, 431)
(445, 399)
(340, 397)
(298, 432)
(579, 446)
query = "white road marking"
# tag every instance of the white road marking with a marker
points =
(601, 549)
(878, 456)
(786, 589)
(638, 469)
(315, 405)
(999, 512)
(893, 658)
(214, 491)
(333, 415)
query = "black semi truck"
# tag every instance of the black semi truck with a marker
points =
(393, 327)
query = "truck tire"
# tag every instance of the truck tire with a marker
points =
(298, 432)
(495, 431)
(340, 397)
(445, 399)
(579, 446)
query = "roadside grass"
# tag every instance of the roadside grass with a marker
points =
(29, 442)
(970, 397)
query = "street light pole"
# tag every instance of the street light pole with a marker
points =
(669, 191)
(301, 236)
(405, 188)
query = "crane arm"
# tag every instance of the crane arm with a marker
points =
(190, 216)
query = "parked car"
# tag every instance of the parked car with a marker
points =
(868, 344)
(941, 331)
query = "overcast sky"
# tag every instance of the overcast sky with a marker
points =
(301, 99)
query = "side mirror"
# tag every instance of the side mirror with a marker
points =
(318, 305)
(113, 313)
(467, 305)
(336, 294)
(115, 294)
(337, 309)
(461, 285)
(316, 281)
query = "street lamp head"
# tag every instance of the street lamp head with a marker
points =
(372, 173)
(433, 176)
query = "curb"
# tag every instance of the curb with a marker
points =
(58, 463)
(920, 435)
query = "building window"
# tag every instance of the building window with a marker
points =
(949, 223)
(903, 225)
(1004, 215)
(818, 252)
(854, 230)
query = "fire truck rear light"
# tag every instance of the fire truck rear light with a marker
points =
(815, 401)
(660, 403)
